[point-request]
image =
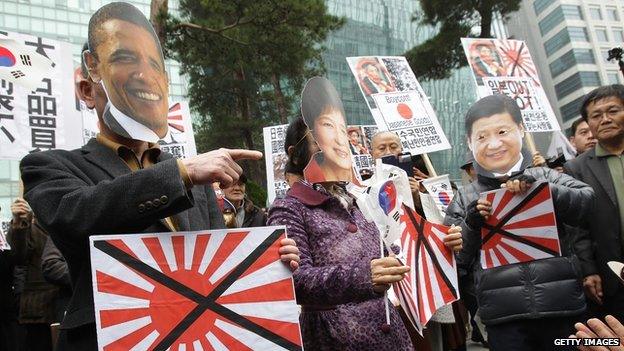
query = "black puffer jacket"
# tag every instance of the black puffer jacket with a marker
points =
(543, 288)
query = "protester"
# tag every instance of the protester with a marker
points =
(524, 306)
(595, 328)
(581, 136)
(246, 213)
(115, 184)
(602, 167)
(341, 279)
(8, 303)
(324, 115)
(37, 301)
(55, 271)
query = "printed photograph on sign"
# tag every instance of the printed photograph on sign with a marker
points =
(372, 77)
(324, 115)
(521, 228)
(275, 161)
(221, 289)
(137, 106)
(505, 66)
(360, 145)
(405, 109)
(36, 110)
(180, 140)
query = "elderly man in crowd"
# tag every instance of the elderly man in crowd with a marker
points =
(603, 169)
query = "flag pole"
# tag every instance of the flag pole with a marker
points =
(429, 165)
(381, 249)
(530, 143)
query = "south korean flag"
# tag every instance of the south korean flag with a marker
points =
(21, 65)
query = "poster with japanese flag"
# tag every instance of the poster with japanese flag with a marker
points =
(398, 103)
(521, 228)
(36, 96)
(505, 66)
(206, 290)
(439, 188)
(432, 281)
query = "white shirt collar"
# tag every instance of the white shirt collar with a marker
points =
(513, 169)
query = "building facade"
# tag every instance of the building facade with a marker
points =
(569, 41)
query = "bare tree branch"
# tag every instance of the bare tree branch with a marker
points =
(218, 32)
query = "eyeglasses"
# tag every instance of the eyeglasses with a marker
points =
(611, 113)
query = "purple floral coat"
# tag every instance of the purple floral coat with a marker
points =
(333, 282)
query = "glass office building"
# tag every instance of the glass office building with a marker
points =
(385, 27)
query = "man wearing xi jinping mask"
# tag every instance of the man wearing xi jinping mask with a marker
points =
(121, 182)
(524, 306)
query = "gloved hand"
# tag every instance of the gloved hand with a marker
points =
(519, 184)
(476, 213)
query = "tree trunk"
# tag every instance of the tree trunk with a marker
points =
(252, 167)
(486, 21)
(159, 8)
(279, 98)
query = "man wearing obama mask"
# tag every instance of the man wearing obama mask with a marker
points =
(524, 306)
(121, 182)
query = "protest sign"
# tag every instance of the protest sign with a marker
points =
(432, 281)
(36, 99)
(360, 145)
(222, 289)
(398, 103)
(275, 158)
(521, 228)
(505, 66)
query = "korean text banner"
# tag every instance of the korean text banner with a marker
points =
(275, 160)
(398, 103)
(521, 228)
(504, 66)
(207, 290)
(42, 118)
(179, 140)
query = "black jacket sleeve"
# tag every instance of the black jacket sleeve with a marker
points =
(53, 265)
(71, 208)
(456, 214)
(19, 237)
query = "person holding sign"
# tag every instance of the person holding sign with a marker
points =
(121, 182)
(526, 305)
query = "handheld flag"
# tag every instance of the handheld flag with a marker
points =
(21, 65)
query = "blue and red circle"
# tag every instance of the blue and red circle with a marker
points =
(388, 197)
(7, 59)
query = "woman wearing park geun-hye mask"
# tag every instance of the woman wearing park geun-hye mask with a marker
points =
(324, 115)
(130, 68)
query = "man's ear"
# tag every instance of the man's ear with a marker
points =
(469, 143)
(521, 128)
(91, 63)
(86, 92)
(571, 139)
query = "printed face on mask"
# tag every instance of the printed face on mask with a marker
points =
(496, 142)
(330, 133)
(130, 65)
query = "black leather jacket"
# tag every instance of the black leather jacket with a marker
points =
(542, 288)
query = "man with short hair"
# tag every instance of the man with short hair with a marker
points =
(603, 169)
(120, 182)
(581, 136)
(247, 214)
(524, 306)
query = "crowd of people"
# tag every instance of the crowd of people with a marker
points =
(121, 183)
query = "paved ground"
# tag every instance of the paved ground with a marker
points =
(475, 347)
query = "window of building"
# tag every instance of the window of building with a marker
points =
(557, 41)
(612, 14)
(541, 5)
(595, 13)
(613, 77)
(551, 20)
(570, 59)
(601, 35)
(575, 82)
(618, 35)
(571, 110)
(572, 12)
